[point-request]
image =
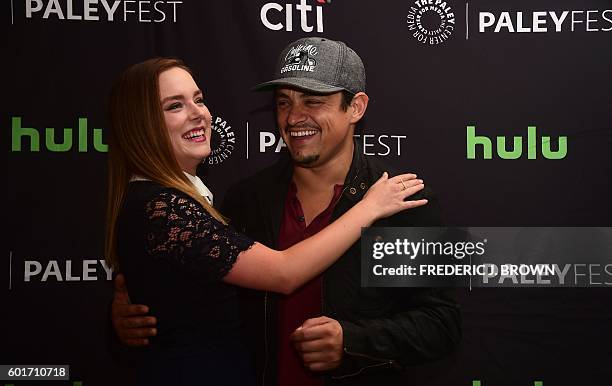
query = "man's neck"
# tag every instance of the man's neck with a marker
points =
(324, 177)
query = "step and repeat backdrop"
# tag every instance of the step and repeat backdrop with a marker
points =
(504, 108)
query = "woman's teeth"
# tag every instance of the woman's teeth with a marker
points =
(194, 134)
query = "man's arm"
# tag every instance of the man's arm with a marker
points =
(320, 343)
(131, 323)
(424, 326)
(428, 330)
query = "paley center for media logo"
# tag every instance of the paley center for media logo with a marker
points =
(223, 142)
(278, 17)
(431, 22)
(141, 11)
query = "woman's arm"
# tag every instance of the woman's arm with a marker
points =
(284, 271)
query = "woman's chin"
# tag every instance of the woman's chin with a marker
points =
(206, 154)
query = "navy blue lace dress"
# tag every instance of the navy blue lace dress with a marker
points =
(174, 255)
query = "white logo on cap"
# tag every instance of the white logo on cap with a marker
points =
(300, 58)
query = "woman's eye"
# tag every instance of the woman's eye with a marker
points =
(199, 101)
(174, 106)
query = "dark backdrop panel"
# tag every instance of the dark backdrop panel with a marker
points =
(423, 96)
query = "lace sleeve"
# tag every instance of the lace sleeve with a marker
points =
(181, 232)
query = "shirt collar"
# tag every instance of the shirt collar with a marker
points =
(200, 187)
(195, 181)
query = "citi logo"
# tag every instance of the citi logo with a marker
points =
(70, 138)
(474, 141)
(271, 15)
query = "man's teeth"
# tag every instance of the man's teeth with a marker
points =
(302, 133)
(193, 134)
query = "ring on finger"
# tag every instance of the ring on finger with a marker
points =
(404, 187)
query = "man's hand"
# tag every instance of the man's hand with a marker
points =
(131, 324)
(319, 342)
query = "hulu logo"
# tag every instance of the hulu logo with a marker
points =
(66, 144)
(473, 141)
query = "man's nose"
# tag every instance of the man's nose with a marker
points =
(296, 115)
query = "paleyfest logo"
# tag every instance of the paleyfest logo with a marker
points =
(431, 21)
(592, 20)
(66, 270)
(140, 11)
(371, 144)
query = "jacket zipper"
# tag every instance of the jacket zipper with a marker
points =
(322, 299)
(386, 362)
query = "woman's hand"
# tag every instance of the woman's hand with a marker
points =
(387, 196)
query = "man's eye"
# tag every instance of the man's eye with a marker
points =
(313, 102)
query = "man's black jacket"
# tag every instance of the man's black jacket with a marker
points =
(384, 329)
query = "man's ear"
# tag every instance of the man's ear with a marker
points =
(358, 106)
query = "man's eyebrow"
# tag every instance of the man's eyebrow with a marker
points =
(312, 94)
(279, 94)
(180, 97)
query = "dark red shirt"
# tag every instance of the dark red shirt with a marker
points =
(304, 303)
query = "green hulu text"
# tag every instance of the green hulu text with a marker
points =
(68, 141)
(483, 146)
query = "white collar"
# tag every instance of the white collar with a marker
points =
(200, 187)
(195, 180)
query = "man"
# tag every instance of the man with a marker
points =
(331, 326)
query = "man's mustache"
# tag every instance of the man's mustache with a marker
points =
(303, 127)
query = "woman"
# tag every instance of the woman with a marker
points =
(165, 231)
